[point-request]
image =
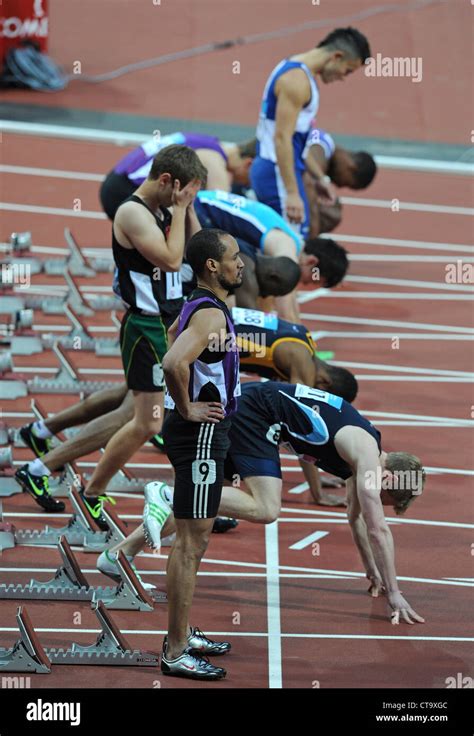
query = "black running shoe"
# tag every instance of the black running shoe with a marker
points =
(38, 488)
(158, 441)
(39, 446)
(199, 643)
(222, 524)
(94, 505)
(191, 665)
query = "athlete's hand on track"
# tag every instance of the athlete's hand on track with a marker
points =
(185, 196)
(330, 499)
(332, 482)
(399, 605)
(376, 586)
(326, 192)
(205, 411)
(294, 207)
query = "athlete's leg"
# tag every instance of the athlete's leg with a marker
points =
(146, 422)
(95, 405)
(93, 436)
(260, 505)
(192, 538)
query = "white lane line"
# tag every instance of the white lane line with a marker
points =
(273, 606)
(124, 138)
(301, 488)
(346, 319)
(402, 369)
(61, 211)
(409, 283)
(398, 243)
(52, 173)
(398, 519)
(414, 379)
(264, 634)
(394, 295)
(376, 257)
(162, 573)
(387, 204)
(421, 164)
(453, 336)
(397, 415)
(306, 541)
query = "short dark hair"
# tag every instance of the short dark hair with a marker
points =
(206, 243)
(343, 382)
(332, 257)
(248, 149)
(350, 41)
(181, 162)
(366, 169)
(279, 276)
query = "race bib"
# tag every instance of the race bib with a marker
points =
(204, 472)
(174, 287)
(315, 394)
(255, 318)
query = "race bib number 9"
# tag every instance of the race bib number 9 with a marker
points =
(255, 318)
(204, 472)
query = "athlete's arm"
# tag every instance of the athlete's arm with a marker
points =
(186, 348)
(312, 197)
(217, 175)
(293, 92)
(360, 451)
(171, 332)
(287, 307)
(313, 479)
(295, 362)
(359, 534)
(316, 168)
(192, 224)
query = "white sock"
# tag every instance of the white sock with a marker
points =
(36, 467)
(40, 430)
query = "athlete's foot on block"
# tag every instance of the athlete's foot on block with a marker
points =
(192, 665)
(200, 643)
(38, 488)
(107, 565)
(222, 524)
(156, 511)
(94, 505)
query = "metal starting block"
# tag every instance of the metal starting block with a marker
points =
(9, 486)
(79, 531)
(7, 533)
(70, 584)
(110, 648)
(13, 389)
(117, 532)
(27, 654)
(6, 362)
(20, 242)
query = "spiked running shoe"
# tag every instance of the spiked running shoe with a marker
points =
(38, 488)
(199, 643)
(107, 564)
(158, 441)
(156, 511)
(222, 524)
(189, 664)
(39, 446)
(94, 506)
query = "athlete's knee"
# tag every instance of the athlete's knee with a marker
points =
(192, 546)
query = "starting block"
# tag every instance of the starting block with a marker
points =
(20, 242)
(6, 362)
(70, 584)
(27, 654)
(13, 389)
(110, 648)
(7, 533)
(117, 533)
(9, 486)
(6, 459)
(66, 380)
(80, 530)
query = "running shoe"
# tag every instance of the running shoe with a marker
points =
(222, 524)
(199, 643)
(38, 488)
(107, 564)
(39, 446)
(189, 664)
(94, 505)
(156, 511)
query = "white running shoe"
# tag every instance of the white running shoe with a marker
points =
(107, 564)
(157, 508)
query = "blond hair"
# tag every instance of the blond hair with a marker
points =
(410, 479)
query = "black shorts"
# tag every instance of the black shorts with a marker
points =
(197, 452)
(254, 448)
(115, 189)
(143, 344)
